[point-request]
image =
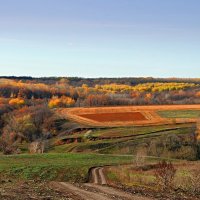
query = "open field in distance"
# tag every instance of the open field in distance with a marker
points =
(132, 115)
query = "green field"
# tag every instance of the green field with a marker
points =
(123, 131)
(61, 167)
(180, 114)
(120, 140)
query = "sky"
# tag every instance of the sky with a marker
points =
(100, 38)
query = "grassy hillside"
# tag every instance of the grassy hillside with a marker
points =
(176, 141)
(62, 167)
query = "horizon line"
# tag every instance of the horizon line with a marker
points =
(82, 77)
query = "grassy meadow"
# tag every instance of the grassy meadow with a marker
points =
(61, 167)
(124, 140)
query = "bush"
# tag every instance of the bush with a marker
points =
(165, 173)
(7, 148)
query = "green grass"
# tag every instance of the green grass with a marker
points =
(129, 131)
(112, 176)
(130, 146)
(113, 145)
(62, 167)
(180, 113)
(63, 148)
(124, 131)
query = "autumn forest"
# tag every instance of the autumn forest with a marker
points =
(26, 104)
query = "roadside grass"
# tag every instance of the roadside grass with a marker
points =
(132, 175)
(180, 113)
(61, 167)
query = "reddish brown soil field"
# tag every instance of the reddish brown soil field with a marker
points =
(125, 115)
(113, 117)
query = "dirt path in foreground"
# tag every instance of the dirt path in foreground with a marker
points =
(91, 191)
(116, 194)
(96, 189)
(79, 193)
(98, 182)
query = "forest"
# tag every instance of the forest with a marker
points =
(98, 92)
(27, 104)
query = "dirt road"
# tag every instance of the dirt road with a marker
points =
(80, 193)
(97, 189)
(97, 176)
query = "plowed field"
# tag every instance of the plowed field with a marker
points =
(130, 115)
(114, 117)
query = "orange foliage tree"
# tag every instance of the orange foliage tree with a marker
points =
(17, 102)
(61, 102)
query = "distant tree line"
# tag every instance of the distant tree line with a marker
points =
(68, 92)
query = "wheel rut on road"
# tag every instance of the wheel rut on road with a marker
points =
(97, 176)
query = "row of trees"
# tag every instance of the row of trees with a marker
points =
(145, 87)
(103, 99)
(12, 89)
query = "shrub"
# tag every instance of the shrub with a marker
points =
(165, 173)
(7, 148)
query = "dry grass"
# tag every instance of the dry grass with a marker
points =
(187, 178)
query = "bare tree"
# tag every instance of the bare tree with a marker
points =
(141, 156)
(165, 173)
(38, 147)
(7, 148)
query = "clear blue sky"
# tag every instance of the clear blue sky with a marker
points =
(100, 38)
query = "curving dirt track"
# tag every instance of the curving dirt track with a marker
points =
(94, 192)
(97, 176)
(78, 193)
(96, 189)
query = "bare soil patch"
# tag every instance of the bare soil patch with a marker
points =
(32, 190)
(113, 117)
(125, 115)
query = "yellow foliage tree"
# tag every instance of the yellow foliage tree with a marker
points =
(61, 102)
(17, 102)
